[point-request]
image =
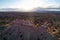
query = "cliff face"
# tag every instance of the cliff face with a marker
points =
(20, 31)
(24, 25)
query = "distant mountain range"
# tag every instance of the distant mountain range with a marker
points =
(11, 9)
(45, 9)
(38, 9)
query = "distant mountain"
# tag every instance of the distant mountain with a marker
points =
(38, 9)
(45, 9)
(10, 9)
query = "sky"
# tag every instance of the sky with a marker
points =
(29, 4)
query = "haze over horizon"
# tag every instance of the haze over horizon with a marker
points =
(29, 4)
